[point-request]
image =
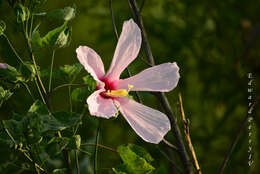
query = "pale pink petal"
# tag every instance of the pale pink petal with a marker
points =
(150, 124)
(100, 106)
(127, 49)
(91, 61)
(162, 78)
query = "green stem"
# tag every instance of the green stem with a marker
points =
(31, 26)
(40, 92)
(29, 91)
(13, 49)
(81, 116)
(70, 99)
(77, 161)
(8, 133)
(67, 84)
(96, 149)
(52, 61)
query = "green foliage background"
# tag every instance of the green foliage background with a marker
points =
(215, 45)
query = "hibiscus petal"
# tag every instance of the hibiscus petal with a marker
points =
(100, 106)
(127, 49)
(162, 78)
(150, 124)
(91, 61)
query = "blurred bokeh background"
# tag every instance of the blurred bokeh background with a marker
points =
(216, 44)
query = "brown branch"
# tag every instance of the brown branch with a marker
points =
(179, 142)
(240, 130)
(187, 136)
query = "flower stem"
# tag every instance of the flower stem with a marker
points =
(52, 61)
(13, 49)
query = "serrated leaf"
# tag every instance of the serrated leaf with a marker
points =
(2, 27)
(4, 95)
(66, 14)
(135, 160)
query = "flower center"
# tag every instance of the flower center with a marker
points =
(111, 92)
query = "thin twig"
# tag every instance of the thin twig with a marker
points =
(100, 145)
(187, 136)
(240, 130)
(67, 84)
(180, 145)
(169, 159)
(142, 5)
(116, 34)
(113, 18)
(19, 149)
(170, 144)
(96, 148)
(52, 62)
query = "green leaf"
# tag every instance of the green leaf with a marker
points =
(136, 160)
(58, 144)
(59, 171)
(75, 142)
(71, 70)
(120, 169)
(11, 74)
(4, 95)
(67, 119)
(56, 38)
(32, 127)
(66, 14)
(22, 13)
(90, 82)
(39, 108)
(2, 27)
(28, 71)
(79, 94)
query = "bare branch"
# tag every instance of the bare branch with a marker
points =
(180, 145)
(187, 136)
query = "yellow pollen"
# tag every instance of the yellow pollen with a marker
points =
(119, 92)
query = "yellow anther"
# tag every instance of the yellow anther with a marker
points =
(130, 87)
(117, 93)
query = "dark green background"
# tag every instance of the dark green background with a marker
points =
(215, 44)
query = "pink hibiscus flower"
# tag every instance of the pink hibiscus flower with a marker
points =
(112, 92)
